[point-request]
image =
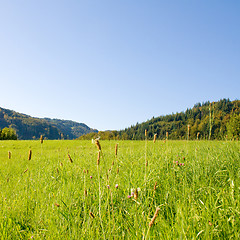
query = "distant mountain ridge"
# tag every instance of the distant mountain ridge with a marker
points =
(28, 127)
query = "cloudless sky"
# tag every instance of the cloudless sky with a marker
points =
(111, 64)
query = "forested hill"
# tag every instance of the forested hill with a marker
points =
(216, 120)
(28, 127)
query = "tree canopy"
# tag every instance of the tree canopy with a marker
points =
(208, 120)
(8, 134)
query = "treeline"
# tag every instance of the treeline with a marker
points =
(28, 127)
(209, 121)
(8, 134)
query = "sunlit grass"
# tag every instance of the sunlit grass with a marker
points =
(50, 197)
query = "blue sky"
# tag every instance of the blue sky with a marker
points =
(111, 64)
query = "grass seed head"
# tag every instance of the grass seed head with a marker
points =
(30, 155)
(154, 217)
(41, 139)
(9, 155)
(155, 186)
(56, 204)
(70, 159)
(91, 215)
(198, 135)
(135, 194)
(98, 145)
(116, 149)
(155, 136)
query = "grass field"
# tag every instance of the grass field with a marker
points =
(50, 197)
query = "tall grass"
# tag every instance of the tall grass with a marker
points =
(189, 190)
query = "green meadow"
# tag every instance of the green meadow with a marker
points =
(193, 185)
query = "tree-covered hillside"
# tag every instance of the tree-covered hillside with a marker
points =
(28, 127)
(216, 120)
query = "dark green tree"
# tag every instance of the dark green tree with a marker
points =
(233, 127)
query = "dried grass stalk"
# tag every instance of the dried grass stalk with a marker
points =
(56, 204)
(9, 155)
(98, 158)
(154, 217)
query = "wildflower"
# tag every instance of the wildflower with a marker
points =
(129, 196)
(132, 194)
(116, 186)
(91, 177)
(108, 186)
(182, 164)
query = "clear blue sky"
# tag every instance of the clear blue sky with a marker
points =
(111, 64)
